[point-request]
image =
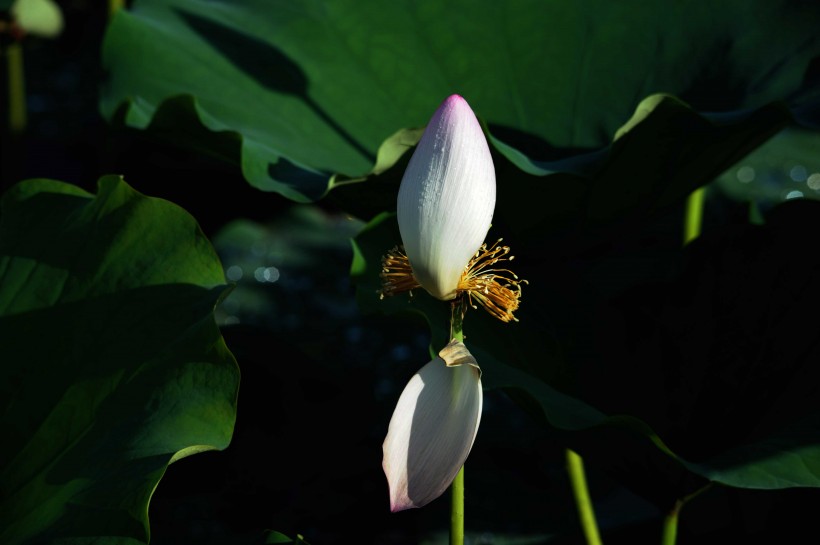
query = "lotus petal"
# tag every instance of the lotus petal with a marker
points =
(431, 432)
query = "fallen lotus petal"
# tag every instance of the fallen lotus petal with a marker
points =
(433, 428)
(446, 199)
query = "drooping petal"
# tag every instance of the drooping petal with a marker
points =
(431, 432)
(38, 17)
(446, 198)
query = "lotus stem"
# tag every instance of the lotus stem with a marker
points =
(457, 488)
(457, 509)
(670, 523)
(694, 215)
(577, 477)
(17, 88)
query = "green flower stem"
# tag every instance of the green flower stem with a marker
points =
(694, 215)
(575, 467)
(457, 509)
(17, 88)
(457, 488)
(670, 523)
(457, 321)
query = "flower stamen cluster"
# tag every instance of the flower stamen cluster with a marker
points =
(498, 290)
(396, 274)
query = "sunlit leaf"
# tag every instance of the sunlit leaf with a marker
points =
(113, 367)
(313, 89)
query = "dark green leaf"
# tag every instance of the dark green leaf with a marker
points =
(113, 367)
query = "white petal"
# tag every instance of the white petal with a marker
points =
(431, 432)
(38, 17)
(446, 198)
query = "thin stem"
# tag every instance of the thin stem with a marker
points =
(575, 466)
(17, 88)
(457, 509)
(457, 320)
(694, 215)
(670, 523)
(457, 488)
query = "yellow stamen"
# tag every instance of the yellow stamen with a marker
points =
(396, 274)
(498, 290)
(482, 281)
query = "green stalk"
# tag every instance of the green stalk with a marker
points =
(457, 488)
(457, 321)
(694, 215)
(577, 477)
(17, 88)
(457, 509)
(670, 523)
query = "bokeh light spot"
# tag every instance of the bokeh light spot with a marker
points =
(266, 274)
(234, 273)
(745, 174)
(271, 274)
(798, 173)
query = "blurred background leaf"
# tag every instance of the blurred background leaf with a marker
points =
(114, 367)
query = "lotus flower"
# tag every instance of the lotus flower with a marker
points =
(433, 428)
(445, 207)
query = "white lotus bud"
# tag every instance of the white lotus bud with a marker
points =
(445, 207)
(447, 198)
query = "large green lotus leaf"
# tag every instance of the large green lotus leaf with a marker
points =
(113, 367)
(313, 88)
